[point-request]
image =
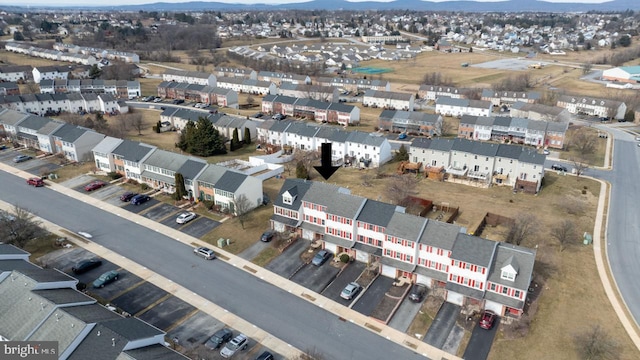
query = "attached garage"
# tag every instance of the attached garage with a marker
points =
(455, 298)
(362, 256)
(388, 271)
(493, 306)
(423, 279)
(331, 247)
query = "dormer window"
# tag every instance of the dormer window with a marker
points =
(507, 275)
(509, 270)
(287, 199)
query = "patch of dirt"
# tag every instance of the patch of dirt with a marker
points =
(384, 308)
(432, 304)
(308, 254)
(397, 291)
(367, 277)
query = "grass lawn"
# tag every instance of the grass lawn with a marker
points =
(593, 159)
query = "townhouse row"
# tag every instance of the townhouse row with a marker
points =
(320, 111)
(109, 54)
(48, 104)
(470, 270)
(224, 123)
(537, 133)
(122, 89)
(603, 108)
(157, 168)
(410, 122)
(388, 100)
(199, 93)
(482, 163)
(347, 147)
(40, 305)
(497, 98)
(459, 107)
(49, 54)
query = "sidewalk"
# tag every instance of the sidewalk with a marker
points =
(232, 320)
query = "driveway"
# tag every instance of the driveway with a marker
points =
(195, 330)
(373, 295)
(199, 227)
(139, 298)
(78, 181)
(161, 211)
(316, 278)
(168, 312)
(41, 167)
(480, 343)
(349, 274)
(142, 207)
(254, 250)
(442, 325)
(287, 263)
(405, 314)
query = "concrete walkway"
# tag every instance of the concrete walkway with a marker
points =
(232, 320)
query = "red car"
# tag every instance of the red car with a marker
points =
(34, 181)
(487, 320)
(94, 185)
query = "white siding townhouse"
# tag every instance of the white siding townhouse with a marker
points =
(433, 92)
(35, 131)
(603, 108)
(507, 98)
(457, 107)
(480, 163)
(388, 100)
(248, 86)
(470, 270)
(75, 142)
(15, 73)
(50, 73)
(189, 77)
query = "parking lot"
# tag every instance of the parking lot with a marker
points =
(184, 323)
(35, 166)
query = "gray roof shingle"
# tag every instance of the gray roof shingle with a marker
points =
(474, 250)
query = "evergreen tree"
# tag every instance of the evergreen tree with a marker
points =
(247, 136)
(181, 191)
(94, 72)
(235, 141)
(201, 139)
(158, 126)
(301, 171)
(401, 154)
(185, 137)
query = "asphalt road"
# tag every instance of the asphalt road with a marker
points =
(285, 316)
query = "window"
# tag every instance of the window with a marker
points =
(507, 275)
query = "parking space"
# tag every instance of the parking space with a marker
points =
(480, 343)
(78, 181)
(139, 298)
(316, 278)
(109, 191)
(199, 227)
(287, 263)
(171, 222)
(94, 193)
(142, 207)
(161, 211)
(349, 274)
(125, 281)
(373, 295)
(442, 324)
(42, 167)
(195, 330)
(254, 250)
(405, 314)
(167, 312)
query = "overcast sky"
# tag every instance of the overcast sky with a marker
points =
(136, 2)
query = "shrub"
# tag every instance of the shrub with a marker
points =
(144, 186)
(208, 204)
(345, 258)
(132, 182)
(114, 175)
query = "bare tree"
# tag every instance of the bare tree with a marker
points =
(19, 227)
(242, 209)
(447, 126)
(307, 158)
(522, 228)
(583, 141)
(596, 344)
(73, 119)
(586, 68)
(401, 187)
(137, 122)
(437, 79)
(565, 232)
(579, 166)
(310, 354)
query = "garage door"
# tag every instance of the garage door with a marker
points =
(455, 298)
(331, 247)
(362, 256)
(421, 279)
(493, 306)
(388, 271)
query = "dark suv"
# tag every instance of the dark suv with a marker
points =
(267, 236)
(220, 337)
(559, 167)
(417, 292)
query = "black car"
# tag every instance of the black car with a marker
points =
(86, 265)
(220, 337)
(267, 236)
(559, 168)
(178, 101)
(265, 356)
(127, 196)
(140, 199)
(417, 292)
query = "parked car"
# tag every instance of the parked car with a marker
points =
(220, 337)
(418, 291)
(267, 236)
(106, 278)
(35, 181)
(86, 265)
(321, 257)
(257, 115)
(185, 217)
(21, 158)
(239, 342)
(127, 196)
(3, 147)
(265, 356)
(402, 136)
(487, 320)
(140, 199)
(94, 185)
(157, 99)
(637, 138)
(350, 291)
(546, 152)
(177, 101)
(559, 167)
(205, 253)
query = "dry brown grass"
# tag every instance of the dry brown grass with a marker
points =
(11, 58)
